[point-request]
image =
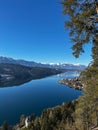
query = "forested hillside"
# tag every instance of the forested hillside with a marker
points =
(83, 29)
(82, 23)
(11, 74)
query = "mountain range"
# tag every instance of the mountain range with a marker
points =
(43, 65)
(15, 74)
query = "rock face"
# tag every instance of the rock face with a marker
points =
(73, 83)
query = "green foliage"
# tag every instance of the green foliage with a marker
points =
(57, 118)
(5, 125)
(78, 22)
(84, 29)
(88, 104)
(36, 123)
(22, 120)
(81, 114)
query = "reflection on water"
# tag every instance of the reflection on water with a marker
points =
(68, 74)
(34, 96)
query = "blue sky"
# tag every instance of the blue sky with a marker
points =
(34, 30)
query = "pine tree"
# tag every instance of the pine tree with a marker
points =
(82, 22)
(5, 125)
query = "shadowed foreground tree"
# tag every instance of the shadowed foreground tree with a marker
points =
(82, 22)
(5, 125)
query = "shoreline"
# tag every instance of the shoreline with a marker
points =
(72, 83)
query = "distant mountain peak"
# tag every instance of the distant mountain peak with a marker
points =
(45, 65)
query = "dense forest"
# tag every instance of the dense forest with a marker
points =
(83, 29)
(57, 118)
(14, 74)
(82, 22)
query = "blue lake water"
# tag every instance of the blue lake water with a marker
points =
(34, 96)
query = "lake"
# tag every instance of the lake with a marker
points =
(34, 96)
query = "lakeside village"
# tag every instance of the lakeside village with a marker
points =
(73, 83)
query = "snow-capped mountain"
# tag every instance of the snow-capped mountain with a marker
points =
(66, 66)
(45, 65)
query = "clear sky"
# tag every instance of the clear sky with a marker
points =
(34, 30)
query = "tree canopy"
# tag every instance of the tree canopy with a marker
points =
(82, 22)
